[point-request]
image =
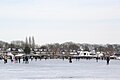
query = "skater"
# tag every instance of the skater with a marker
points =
(97, 59)
(11, 58)
(40, 57)
(31, 58)
(26, 60)
(108, 60)
(23, 59)
(16, 60)
(70, 60)
(5, 59)
(19, 59)
(63, 58)
(35, 58)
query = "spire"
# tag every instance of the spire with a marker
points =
(26, 41)
(30, 41)
(33, 42)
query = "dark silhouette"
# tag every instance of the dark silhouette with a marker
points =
(31, 58)
(16, 59)
(26, 60)
(97, 59)
(23, 59)
(35, 58)
(108, 60)
(19, 58)
(70, 60)
(5, 59)
(11, 59)
(39, 57)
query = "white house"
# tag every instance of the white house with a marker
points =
(85, 53)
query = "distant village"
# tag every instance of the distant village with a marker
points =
(58, 51)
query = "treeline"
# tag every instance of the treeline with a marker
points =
(13, 44)
(71, 46)
(67, 46)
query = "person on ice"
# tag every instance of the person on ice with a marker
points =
(108, 60)
(5, 59)
(70, 59)
(26, 60)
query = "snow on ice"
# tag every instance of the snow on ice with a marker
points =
(57, 69)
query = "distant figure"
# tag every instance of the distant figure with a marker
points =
(45, 58)
(78, 58)
(35, 58)
(63, 58)
(40, 57)
(108, 60)
(5, 59)
(97, 59)
(16, 59)
(11, 58)
(19, 58)
(102, 58)
(70, 60)
(31, 58)
(26, 60)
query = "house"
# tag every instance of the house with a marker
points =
(85, 54)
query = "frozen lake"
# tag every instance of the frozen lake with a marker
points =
(56, 69)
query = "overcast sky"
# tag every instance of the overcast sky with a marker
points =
(52, 21)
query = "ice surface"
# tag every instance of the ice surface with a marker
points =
(56, 69)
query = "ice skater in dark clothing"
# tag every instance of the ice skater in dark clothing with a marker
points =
(5, 59)
(97, 59)
(11, 59)
(108, 60)
(23, 59)
(26, 60)
(70, 60)
(19, 58)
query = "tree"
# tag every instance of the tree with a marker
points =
(18, 44)
(101, 48)
(27, 50)
(110, 50)
(73, 47)
(44, 48)
(86, 48)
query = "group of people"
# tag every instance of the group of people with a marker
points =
(107, 58)
(15, 59)
(26, 59)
